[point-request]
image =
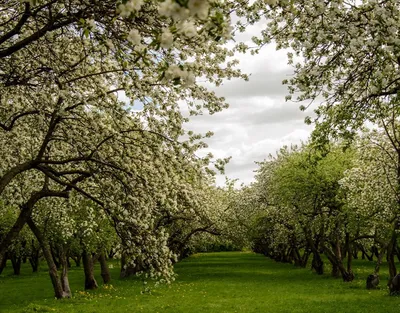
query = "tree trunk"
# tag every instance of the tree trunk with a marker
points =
(77, 260)
(16, 264)
(349, 248)
(64, 273)
(111, 253)
(55, 280)
(34, 261)
(14, 231)
(34, 257)
(24, 215)
(122, 273)
(317, 264)
(304, 258)
(347, 274)
(90, 281)
(390, 259)
(105, 273)
(355, 253)
(379, 261)
(129, 270)
(337, 262)
(373, 279)
(126, 269)
(296, 257)
(335, 270)
(56, 257)
(3, 263)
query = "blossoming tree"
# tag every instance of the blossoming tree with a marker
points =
(89, 105)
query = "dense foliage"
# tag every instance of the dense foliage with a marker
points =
(331, 206)
(95, 158)
(97, 163)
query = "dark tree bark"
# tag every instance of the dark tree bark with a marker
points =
(105, 272)
(349, 248)
(64, 273)
(56, 258)
(390, 255)
(335, 271)
(24, 215)
(90, 281)
(111, 253)
(34, 257)
(34, 261)
(317, 264)
(16, 263)
(355, 252)
(365, 254)
(298, 258)
(390, 258)
(55, 280)
(14, 231)
(3, 263)
(77, 260)
(373, 279)
(126, 270)
(335, 257)
(379, 260)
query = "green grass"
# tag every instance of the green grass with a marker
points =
(214, 282)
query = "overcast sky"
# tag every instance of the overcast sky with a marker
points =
(259, 120)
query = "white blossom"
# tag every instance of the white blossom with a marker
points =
(134, 37)
(167, 38)
(199, 8)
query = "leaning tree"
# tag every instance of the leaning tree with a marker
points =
(348, 60)
(89, 104)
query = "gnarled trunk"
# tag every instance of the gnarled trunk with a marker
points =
(337, 262)
(90, 281)
(316, 264)
(64, 273)
(105, 273)
(16, 263)
(394, 288)
(24, 216)
(55, 280)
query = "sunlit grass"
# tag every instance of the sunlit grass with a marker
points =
(214, 282)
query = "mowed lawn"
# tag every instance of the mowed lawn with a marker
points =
(211, 282)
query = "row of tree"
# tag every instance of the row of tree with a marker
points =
(338, 202)
(94, 153)
(85, 170)
(340, 193)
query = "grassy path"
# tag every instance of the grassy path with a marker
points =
(214, 282)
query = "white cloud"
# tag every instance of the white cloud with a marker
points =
(258, 121)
